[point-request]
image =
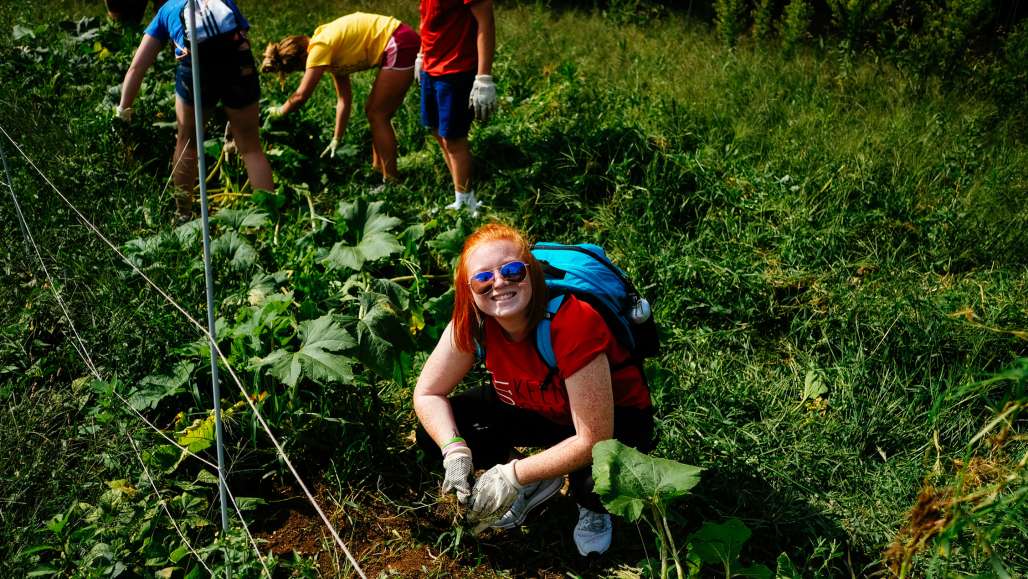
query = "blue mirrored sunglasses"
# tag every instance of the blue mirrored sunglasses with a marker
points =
(514, 272)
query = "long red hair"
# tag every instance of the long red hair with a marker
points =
(467, 320)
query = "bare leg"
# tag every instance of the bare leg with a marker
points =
(442, 147)
(459, 162)
(183, 164)
(386, 97)
(246, 132)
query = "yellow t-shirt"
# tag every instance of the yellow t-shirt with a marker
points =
(352, 43)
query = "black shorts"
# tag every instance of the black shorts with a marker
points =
(492, 429)
(228, 73)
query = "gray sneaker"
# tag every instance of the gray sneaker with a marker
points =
(529, 497)
(593, 532)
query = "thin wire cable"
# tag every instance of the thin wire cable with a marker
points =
(221, 356)
(78, 343)
(160, 501)
(84, 354)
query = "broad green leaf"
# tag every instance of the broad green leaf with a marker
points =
(411, 236)
(449, 243)
(199, 435)
(152, 389)
(629, 481)
(177, 555)
(322, 337)
(241, 218)
(43, 571)
(317, 357)
(367, 235)
(271, 316)
(720, 544)
(381, 333)
(165, 457)
(281, 364)
(786, 569)
(813, 385)
(235, 248)
(249, 503)
(188, 233)
(392, 290)
(270, 201)
(206, 477)
(263, 285)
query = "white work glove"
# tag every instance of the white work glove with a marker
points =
(123, 113)
(483, 97)
(493, 495)
(417, 68)
(274, 112)
(460, 472)
(330, 150)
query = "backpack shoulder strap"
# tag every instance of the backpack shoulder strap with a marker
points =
(543, 339)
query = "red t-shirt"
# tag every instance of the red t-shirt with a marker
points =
(578, 334)
(448, 37)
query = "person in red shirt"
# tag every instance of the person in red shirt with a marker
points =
(596, 393)
(454, 67)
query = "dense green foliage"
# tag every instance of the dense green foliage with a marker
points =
(833, 245)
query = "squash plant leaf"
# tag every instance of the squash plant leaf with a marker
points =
(241, 218)
(321, 338)
(368, 229)
(720, 545)
(449, 243)
(318, 356)
(152, 389)
(188, 233)
(392, 290)
(235, 249)
(381, 333)
(628, 481)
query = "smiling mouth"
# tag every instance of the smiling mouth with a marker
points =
(503, 296)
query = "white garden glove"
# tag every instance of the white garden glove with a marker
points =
(460, 473)
(330, 150)
(493, 495)
(123, 113)
(274, 112)
(417, 67)
(483, 97)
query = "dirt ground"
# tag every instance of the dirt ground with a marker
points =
(409, 536)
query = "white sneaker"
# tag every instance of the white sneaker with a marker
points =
(593, 532)
(460, 200)
(530, 497)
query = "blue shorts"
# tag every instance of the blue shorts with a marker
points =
(228, 74)
(444, 103)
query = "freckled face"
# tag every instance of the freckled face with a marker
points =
(507, 300)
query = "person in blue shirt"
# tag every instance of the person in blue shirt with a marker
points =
(228, 74)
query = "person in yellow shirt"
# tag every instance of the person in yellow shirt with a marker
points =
(349, 44)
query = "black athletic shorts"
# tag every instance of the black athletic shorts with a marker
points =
(492, 429)
(228, 73)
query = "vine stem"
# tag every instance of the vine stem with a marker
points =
(673, 547)
(657, 517)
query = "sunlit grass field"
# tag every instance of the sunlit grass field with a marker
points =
(833, 248)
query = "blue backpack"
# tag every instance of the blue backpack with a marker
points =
(583, 270)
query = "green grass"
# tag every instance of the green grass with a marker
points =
(820, 217)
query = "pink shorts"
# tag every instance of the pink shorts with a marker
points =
(402, 49)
